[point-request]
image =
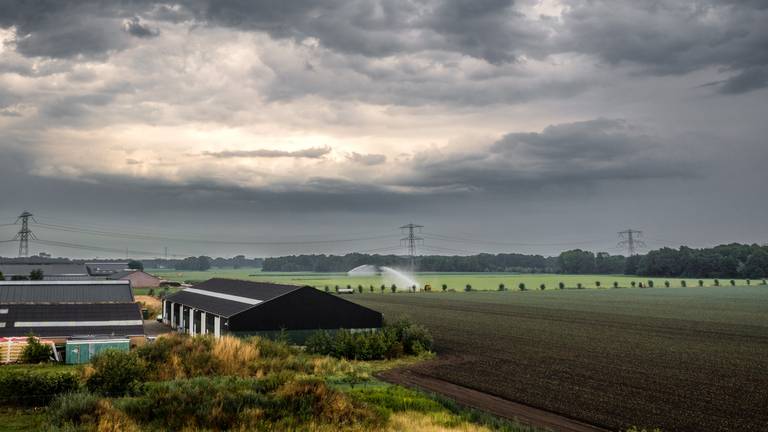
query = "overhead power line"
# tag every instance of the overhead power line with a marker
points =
(101, 249)
(135, 236)
(441, 237)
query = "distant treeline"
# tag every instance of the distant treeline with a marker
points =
(203, 262)
(724, 261)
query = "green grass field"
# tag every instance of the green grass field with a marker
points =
(455, 281)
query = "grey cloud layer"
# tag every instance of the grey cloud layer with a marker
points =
(310, 153)
(660, 37)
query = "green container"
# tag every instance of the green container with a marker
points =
(145, 314)
(82, 350)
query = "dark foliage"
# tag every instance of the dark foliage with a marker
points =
(115, 372)
(25, 388)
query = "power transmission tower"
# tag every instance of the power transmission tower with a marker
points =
(411, 241)
(24, 233)
(629, 239)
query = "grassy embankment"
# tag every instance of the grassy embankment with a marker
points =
(234, 384)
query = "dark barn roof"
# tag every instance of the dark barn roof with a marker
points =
(65, 292)
(259, 306)
(50, 320)
(228, 297)
(121, 274)
(49, 269)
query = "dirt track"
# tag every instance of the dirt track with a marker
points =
(488, 403)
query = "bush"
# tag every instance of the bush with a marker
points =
(393, 288)
(115, 372)
(683, 283)
(36, 352)
(502, 287)
(542, 287)
(394, 340)
(701, 283)
(468, 288)
(445, 287)
(733, 282)
(765, 282)
(151, 292)
(521, 286)
(749, 282)
(383, 288)
(633, 284)
(360, 289)
(615, 284)
(73, 408)
(579, 286)
(327, 289)
(561, 285)
(650, 284)
(666, 284)
(716, 282)
(34, 388)
(372, 288)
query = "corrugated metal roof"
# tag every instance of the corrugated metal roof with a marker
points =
(228, 297)
(56, 269)
(65, 292)
(121, 274)
(70, 319)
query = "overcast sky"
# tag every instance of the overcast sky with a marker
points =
(520, 126)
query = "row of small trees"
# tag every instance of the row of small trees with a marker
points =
(522, 286)
(36, 274)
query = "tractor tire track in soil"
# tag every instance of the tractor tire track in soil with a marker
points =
(485, 402)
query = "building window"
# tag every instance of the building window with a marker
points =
(3, 311)
(2, 324)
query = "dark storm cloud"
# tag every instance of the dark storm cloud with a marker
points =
(135, 27)
(563, 156)
(671, 37)
(748, 80)
(309, 153)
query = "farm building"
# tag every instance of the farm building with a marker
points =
(138, 278)
(106, 269)
(221, 306)
(58, 310)
(52, 271)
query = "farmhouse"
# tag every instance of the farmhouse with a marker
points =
(58, 310)
(138, 278)
(52, 271)
(222, 306)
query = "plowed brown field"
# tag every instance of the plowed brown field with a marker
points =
(683, 359)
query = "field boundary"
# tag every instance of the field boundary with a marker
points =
(486, 402)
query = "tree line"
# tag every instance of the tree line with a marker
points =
(725, 261)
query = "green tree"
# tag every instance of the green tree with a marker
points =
(36, 274)
(521, 286)
(683, 283)
(615, 284)
(542, 287)
(756, 265)
(561, 285)
(468, 288)
(597, 284)
(115, 372)
(35, 352)
(666, 284)
(2, 278)
(136, 265)
(502, 287)
(445, 287)
(701, 283)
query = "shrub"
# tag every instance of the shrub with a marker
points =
(633, 284)
(468, 288)
(393, 288)
(36, 274)
(73, 408)
(701, 283)
(683, 283)
(597, 284)
(115, 372)
(372, 288)
(445, 287)
(579, 286)
(34, 388)
(733, 282)
(151, 292)
(615, 284)
(716, 282)
(749, 282)
(561, 285)
(337, 289)
(327, 289)
(765, 282)
(542, 287)
(650, 283)
(383, 288)
(521, 286)
(502, 287)
(666, 284)
(360, 289)
(394, 340)
(35, 352)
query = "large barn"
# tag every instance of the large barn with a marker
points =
(222, 306)
(54, 271)
(58, 310)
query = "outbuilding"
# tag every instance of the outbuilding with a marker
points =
(226, 306)
(52, 271)
(138, 278)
